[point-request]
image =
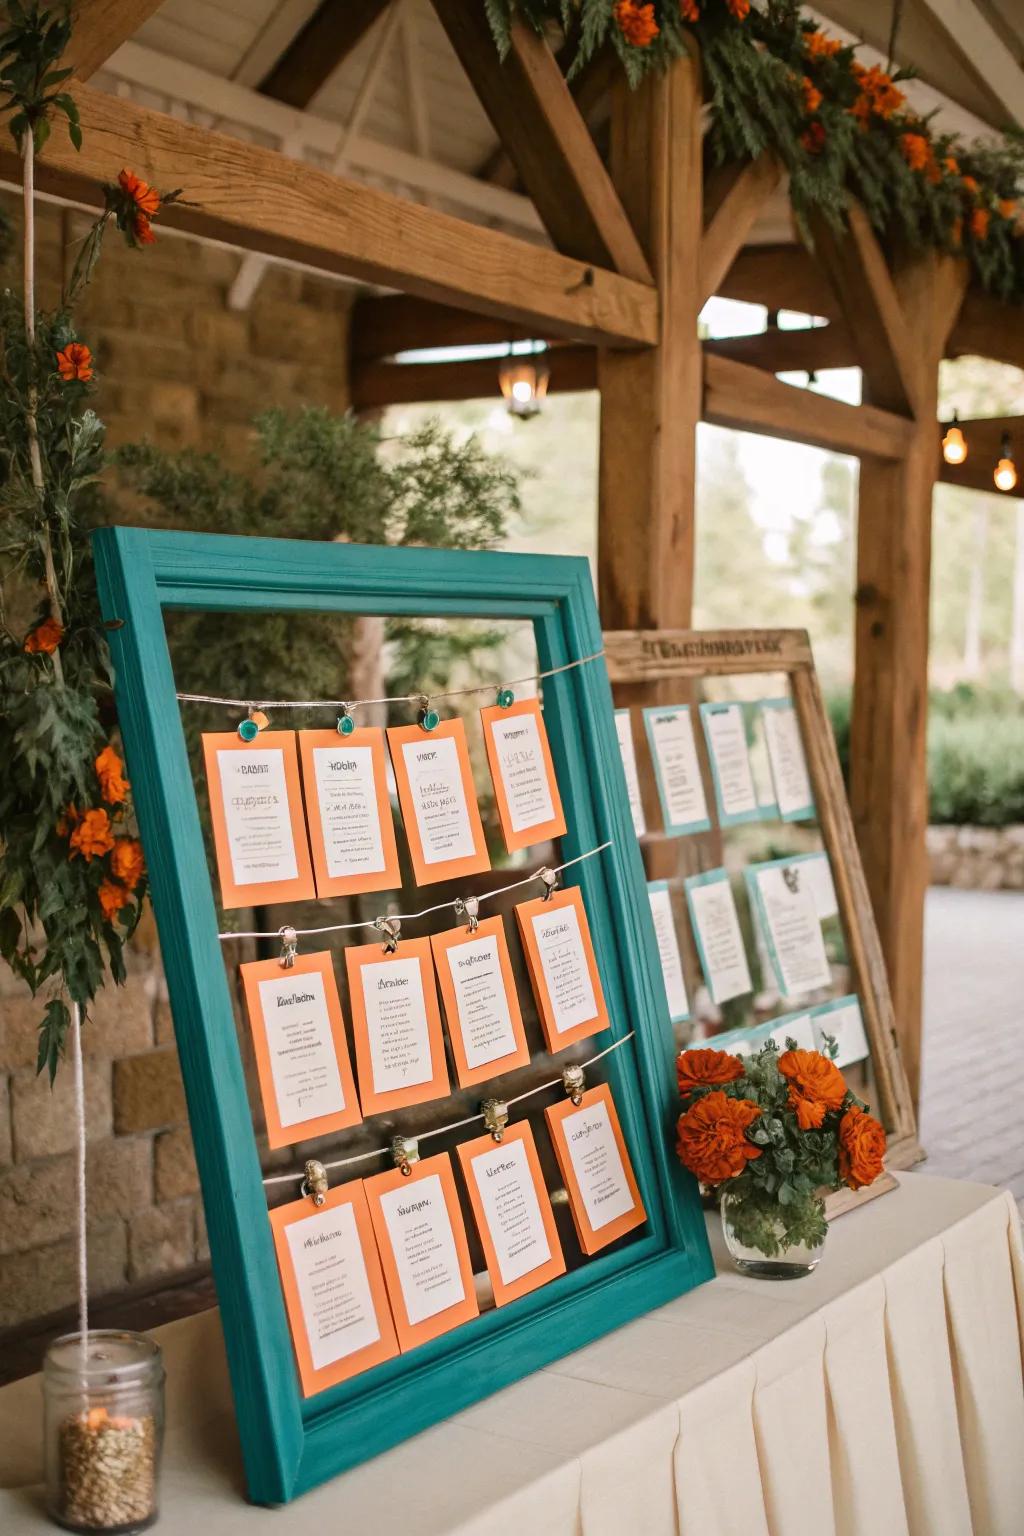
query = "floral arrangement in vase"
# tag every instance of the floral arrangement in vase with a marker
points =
(773, 1133)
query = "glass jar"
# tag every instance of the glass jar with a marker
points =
(789, 1263)
(104, 1422)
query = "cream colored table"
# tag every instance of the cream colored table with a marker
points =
(882, 1395)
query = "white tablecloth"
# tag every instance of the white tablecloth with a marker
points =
(881, 1396)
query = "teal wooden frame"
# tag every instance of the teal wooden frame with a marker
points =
(290, 1444)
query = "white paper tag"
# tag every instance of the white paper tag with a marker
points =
(523, 772)
(482, 1000)
(718, 927)
(511, 1209)
(396, 1024)
(786, 755)
(846, 1023)
(675, 754)
(624, 731)
(597, 1164)
(817, 871)
(300, 1044)
(439, 799)
(334, 1288)
(256, 816)
(798, 1028)
(349, 815)
(423, 1243)
(794, 930)
(727, 741)
(668, 952)
(564, 962)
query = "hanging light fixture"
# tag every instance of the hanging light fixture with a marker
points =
(954, 444)
(1005, 473)
(524, 381)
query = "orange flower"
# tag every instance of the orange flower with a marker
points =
(689, 10)
(143, 230)
(816, 1086)
(45, 638)
(92, 837)
(705, 1068)
(813, 138)
(820, 46)
(110, 772)
(145, 197)
(126, 862)
(712, 1140)
(738, 8)
(878, 96)
(636, 23)
(1007, 207)
(861, 1148)
(970, 186)
(75, 363)
(979, 223)
(952, 167)
(916, 150)
(112, 899)
(812, 96)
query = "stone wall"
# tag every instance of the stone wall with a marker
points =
(176, 366)
(977, 858)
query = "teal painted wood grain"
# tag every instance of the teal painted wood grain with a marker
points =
(289, 1444)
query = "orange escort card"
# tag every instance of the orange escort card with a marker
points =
(351, 831)
(529, 805)
(298, 1033)
(563, 967)
(334, 1291)
(423, 1249)
(259, 830)
(512, 1212)
(598, 1174)
(438, 800)
(485, 1025)
(396, 1024)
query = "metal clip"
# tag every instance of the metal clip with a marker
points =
(391, 928)
(289, 946)
(549, 878)
(495, 1113)
(468, 907)
(314, 1185)
(428, 718)
(574, 1080)
(405, 1150)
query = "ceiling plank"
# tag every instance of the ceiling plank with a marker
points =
(983, 54)
(100, 27)
(250, 197)
(533, 112)
(381, 327)
(328, 37)
(987, 327)
(733, 198)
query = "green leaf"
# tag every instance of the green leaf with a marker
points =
(52, 1034)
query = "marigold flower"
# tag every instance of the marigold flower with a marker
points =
(45, 638)
(92, 837)
(706, 1068)
(75, 363)
(110, 772)
(816, 1086)
(813, 138)
(970, 186)
(126, 862)
(861, 1148)
(738, 8)
(145, 197)
(636, 23)
(1008, 208)
(689, 10)
(112, 898)
(916, 150)
(812, 96)
(143, 230)
(878, 96)
(712, 1137)
(820, 46)
(979, 223)
(951, 166)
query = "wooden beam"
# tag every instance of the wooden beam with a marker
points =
(591, 91)
(531, 107)
(376, 384)
(984, 437)
(790, 351)
(380, 327)
(100, 27)
(733, 198)
(782, 277)
(750, 400)
(987, 327)
(328, 37)
(253, 198)
(853, 262)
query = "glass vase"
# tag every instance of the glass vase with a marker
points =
(104, 1419)
(791, 1262)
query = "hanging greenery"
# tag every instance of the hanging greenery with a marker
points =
(777, 82)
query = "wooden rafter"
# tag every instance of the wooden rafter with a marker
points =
(101, 26)
(733, 198)
(328, 37)
(988, 328)
(983, 54)
(532, 110)
(381, 327)
(984, 438)
(591, 91)
(788, 351)
(253, 198)
(781, 277)
(378, 384)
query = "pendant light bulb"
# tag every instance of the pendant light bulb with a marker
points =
(1005, 474)
(954, 444)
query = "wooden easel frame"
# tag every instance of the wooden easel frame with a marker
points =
(656, 657)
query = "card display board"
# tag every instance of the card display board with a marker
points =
(741, 795)
(303, 1419)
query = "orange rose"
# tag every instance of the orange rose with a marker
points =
(979, 223)
(712, 1140)
(861, 1148)
(74, 364)
(112, 899)
(110, 772)
(705, 1069)
(126, 862)
(820, 46)
(816, 1086)
(812, 96)
(45, 638)
(145, 197)
(636, 23)
(92, 836)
